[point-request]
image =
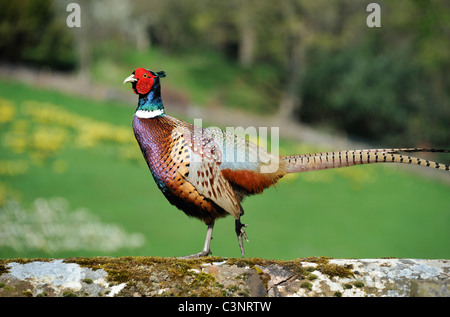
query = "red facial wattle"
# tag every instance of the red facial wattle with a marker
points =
(144, 81)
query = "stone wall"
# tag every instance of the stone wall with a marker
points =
(218, 277)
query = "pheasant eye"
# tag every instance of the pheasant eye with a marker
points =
(144, 75)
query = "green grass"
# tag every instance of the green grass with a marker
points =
(358, 212)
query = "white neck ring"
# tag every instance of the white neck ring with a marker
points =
(145, 114)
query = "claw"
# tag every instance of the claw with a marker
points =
(206, 248)
(196, 255)
(240, 232)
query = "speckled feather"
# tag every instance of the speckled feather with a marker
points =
(188, 167)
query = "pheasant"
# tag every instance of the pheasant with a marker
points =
(207, 172)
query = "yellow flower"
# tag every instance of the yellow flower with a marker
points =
(13, 167)
(7, 110)
(48, 140)
(17, 141)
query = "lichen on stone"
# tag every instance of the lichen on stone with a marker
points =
(216, 276)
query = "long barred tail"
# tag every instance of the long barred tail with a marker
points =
(318, 161)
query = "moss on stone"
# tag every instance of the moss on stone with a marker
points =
(87, 280)
(336, 270)
(160, 276)
(156, 276)
(306, 285)
(3, 268)
(27, 293)
(69, 294)
(358, 284)
(347, 286)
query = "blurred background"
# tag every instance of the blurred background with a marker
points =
(73, 181)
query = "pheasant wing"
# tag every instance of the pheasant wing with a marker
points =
(199, 159)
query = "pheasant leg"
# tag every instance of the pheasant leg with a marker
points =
(206, 248)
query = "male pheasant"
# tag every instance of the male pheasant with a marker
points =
(206, 172)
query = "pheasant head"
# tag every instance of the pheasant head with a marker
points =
(145, 83)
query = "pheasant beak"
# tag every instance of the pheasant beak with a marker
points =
(130, 79)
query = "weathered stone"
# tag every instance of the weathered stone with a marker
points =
(148, 276)
(55, 278)
(424, 288)
(244, 278)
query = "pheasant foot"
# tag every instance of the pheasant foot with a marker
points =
(240, 232)
(196, 255)
(206, 248)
